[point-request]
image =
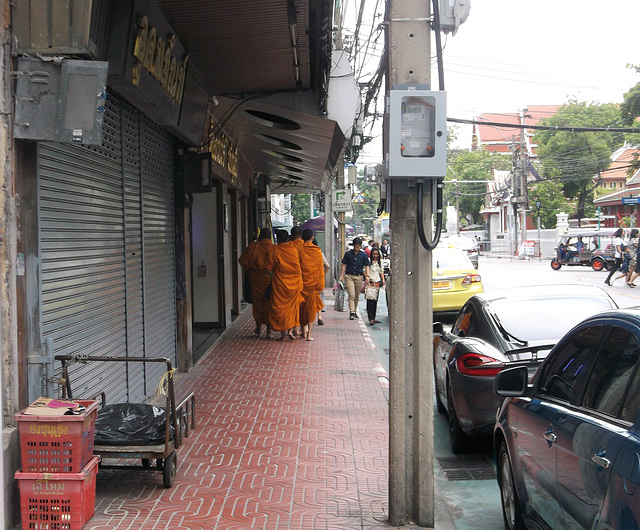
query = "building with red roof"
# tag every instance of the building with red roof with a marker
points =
(499, 139)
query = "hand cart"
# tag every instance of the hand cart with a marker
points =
(180, 419)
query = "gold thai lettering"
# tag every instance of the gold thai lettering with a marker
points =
(155, 54)
(224, 152)
(141, 40)
(232, 161)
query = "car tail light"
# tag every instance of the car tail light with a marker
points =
(476, 364)
(471, 278)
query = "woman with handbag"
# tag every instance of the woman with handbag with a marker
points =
(372, 290)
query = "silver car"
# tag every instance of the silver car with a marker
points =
(495, 330)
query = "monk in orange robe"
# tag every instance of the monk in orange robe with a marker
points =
(255, 259)
(286, 286)
(312, 264)
(296, 239)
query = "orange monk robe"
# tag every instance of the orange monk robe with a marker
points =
(286, 287)
(312, 266)
(256, 260)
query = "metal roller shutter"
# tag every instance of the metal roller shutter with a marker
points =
(158, 246)
(107, 251)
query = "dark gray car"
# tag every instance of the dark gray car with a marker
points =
(495, 330)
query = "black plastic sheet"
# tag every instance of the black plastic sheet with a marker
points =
(130, 424)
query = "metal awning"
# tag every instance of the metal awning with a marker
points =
(267, 63)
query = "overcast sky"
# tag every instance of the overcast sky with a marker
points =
(510, 54)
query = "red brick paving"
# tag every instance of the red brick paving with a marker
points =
(289, 435)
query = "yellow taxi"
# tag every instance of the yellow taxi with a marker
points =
(454, 279)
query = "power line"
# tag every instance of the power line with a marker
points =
(546, 127)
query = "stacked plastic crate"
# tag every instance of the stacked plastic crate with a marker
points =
(58, 478)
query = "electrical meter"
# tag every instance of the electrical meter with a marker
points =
(417, 134)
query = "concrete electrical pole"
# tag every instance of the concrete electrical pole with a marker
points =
(411, 481)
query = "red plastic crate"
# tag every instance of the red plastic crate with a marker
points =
(57, 444)
(58, 501)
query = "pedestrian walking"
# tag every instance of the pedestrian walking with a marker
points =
(255, 260)
(618, 245)
(312, 267)
(376, 280)
(355, 269)
(286, 286)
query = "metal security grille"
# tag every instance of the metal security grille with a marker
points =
(158, 245)
(106, 245)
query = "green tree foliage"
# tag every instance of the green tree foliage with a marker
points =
(365, 213)
(467, 166)
(300, 209)
(552, 202)
(630, 111)
(575, 158)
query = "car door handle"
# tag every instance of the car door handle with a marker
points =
(549, 436)
(600, 460)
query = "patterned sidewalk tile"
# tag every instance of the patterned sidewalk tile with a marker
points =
(290, 435)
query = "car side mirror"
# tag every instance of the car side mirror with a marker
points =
(438, 329)
(511, 382)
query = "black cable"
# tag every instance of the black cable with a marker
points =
(546, 127)
(429, 245)
(437, 184)
(436, 23)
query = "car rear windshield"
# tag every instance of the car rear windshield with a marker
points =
(545, 319)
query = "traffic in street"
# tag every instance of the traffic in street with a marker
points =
(466, 481)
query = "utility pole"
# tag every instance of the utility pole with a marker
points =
(523, 175)
(411, 481)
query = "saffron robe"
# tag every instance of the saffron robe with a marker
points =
(312, 264)
(286, 286)
(255, 259)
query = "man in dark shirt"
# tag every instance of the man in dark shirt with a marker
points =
(355, 269)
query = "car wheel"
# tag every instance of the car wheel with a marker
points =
(457, 436)
(511, 511)
(597, 265)
(439, 405)
(555, 265)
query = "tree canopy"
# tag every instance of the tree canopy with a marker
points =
(465, 166)
(576, 158)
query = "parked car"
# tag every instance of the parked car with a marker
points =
(591, 248)
(464, 243)
(454, 279)
(567, 445)
(496, 330)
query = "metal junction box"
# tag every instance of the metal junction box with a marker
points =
(60, 102)
(417, 134)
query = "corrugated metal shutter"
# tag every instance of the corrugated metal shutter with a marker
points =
(158, 246)
(133, 249)
(107, 249)
(82, 253)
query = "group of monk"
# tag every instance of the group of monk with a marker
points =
(287, 280)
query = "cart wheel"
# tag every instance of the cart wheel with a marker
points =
(146, 463)
(169, 470)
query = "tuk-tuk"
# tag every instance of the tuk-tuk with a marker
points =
(590, 247)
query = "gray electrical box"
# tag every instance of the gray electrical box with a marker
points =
(417, 134)
(453, 13)
(60, 102)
